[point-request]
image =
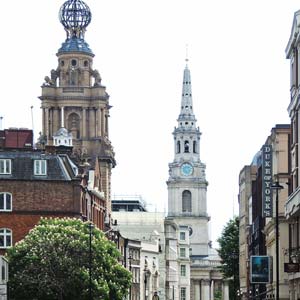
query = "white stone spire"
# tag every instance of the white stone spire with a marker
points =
(187, 134)
(186, 117)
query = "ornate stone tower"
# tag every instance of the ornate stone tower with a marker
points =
(191, 264)
(74, 99)
(187, 184)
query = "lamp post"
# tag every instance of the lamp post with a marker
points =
(91, 227)
(276, 186)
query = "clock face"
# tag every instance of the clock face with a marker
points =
(186, 169)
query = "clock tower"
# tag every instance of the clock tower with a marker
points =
(187, 183)
(190, 261)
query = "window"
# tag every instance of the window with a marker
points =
(136, 275)
(5, 166)
(74, 62)
(40, 167)
(182, 252)
(74, 125)
(183, 270)
(182, 236)
(186, 147)
(5, 202)
(5, 238)
(183, 293)
(186, 201)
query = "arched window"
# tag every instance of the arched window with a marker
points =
(186, 201)
(194, 146)
(5, 238)
(74, 125)
(186, 147)
(5, 202)
(178, 147)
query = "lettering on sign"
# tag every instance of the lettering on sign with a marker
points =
(267, 209)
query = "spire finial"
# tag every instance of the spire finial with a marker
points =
(186, 53)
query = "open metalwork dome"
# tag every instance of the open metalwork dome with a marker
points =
(75, 16)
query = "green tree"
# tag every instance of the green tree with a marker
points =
(229, 253)
(52, 263)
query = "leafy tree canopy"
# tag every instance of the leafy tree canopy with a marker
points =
(52, 262)
(229, 253)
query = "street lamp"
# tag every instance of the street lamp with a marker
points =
(276, 186)
(91, 227)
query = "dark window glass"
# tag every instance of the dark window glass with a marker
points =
(1, 201)
(8, 202)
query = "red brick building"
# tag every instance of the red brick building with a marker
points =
(35, 184)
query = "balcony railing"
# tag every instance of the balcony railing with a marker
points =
(73, 90)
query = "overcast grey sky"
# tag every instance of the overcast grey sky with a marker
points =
(240, 82)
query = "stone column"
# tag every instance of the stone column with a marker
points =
(212, 290)
(83, 130)
(43, 122)
(102, 122)
(51, 122)
(92, 124)
(205, 290)
(197, 290)
(98, 122)
(55, 120)
(47, 123)
(225, 290)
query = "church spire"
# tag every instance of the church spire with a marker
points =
(186, 117)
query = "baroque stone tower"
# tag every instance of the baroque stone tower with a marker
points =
(191, 262)
(187, 184)
(75, 104)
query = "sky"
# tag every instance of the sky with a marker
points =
(240, 82)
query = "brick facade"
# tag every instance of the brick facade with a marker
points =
(32, 200)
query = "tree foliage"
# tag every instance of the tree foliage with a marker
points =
(52, 262)
(229, 253)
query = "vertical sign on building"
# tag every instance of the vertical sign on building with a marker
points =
(267, 202)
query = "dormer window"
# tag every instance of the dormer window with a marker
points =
(5, 166)
(40, 167)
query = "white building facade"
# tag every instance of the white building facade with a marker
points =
(191, 264)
